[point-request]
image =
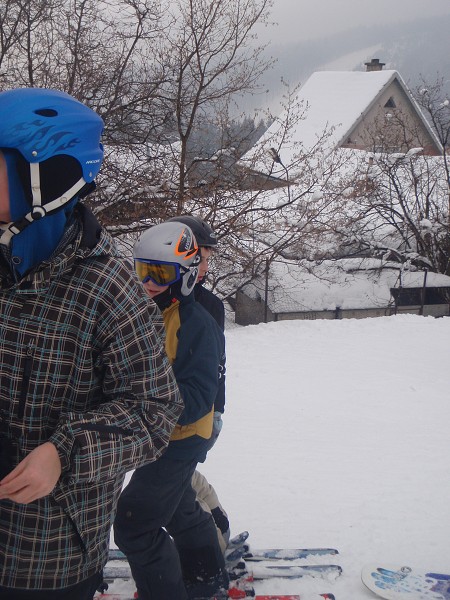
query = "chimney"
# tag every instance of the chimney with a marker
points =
(374, 65)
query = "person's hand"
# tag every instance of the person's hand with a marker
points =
(34, 477)
(217, 424)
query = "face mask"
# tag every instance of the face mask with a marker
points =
(40, 238)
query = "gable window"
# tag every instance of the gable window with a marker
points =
(390, 103)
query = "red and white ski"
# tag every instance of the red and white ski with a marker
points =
(113, 596)
(296, 597)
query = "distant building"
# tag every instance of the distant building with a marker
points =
(346, 289)
(343, 115)
(343, 109)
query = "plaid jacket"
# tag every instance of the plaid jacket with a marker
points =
(82, 364)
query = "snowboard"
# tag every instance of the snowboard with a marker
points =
(406, 583)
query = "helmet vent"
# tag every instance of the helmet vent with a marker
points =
(46, 112)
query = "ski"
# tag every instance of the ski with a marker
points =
(118, 596)
(259, 572)
(259, 554)
(238, 539)
(116, 554)
(113, 596)
(294, 597)
(262, 572)
(272, 554)
(243, 589)
(264, 563)
(238, 552)
(112, 572)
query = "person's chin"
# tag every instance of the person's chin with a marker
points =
(151, 293)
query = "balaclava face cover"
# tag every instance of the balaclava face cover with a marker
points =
(40, 238)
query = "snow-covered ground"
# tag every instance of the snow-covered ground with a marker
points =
(336, 433)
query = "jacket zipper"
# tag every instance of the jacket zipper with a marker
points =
(26, 380)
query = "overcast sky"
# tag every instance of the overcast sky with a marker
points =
(308, 19)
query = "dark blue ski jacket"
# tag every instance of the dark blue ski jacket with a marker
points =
(195, 345)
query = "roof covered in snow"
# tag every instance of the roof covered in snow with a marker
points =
(353, 283)
(333, 102)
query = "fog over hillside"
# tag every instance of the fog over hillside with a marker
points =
(418, 50)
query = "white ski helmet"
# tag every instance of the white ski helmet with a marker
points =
(167, 253)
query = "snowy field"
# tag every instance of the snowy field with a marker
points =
(336, 433)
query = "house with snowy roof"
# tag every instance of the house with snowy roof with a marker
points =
(342, 114)
(344, 109)
(351, 288)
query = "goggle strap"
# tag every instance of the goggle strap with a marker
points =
(18, 226)
(35, 178)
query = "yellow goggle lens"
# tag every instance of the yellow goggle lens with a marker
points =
(159, 273)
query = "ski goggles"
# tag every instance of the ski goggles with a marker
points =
(160, 272)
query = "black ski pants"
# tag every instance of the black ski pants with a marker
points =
(158, 501)
(81, 591)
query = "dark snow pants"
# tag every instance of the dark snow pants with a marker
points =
(84, 590)
(160, 500)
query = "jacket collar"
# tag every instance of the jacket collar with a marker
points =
(89, 239)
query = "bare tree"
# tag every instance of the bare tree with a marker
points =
(210, 52)
(20, 22)
(397, 205)
(271, 210)
(435, 102)
(158, 71)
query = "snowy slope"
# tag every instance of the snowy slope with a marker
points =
(336, 434)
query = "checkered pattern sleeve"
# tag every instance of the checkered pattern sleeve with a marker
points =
(140, 403)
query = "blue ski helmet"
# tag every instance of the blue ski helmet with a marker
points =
(42, 123)
(51, 143)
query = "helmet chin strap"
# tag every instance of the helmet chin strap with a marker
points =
(37, 210)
